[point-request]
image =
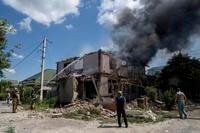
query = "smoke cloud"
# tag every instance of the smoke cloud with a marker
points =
(160, 24)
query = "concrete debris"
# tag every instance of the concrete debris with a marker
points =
(142, 114)
(56, 115)
(80, 105)
(36, 115)
(88, 106)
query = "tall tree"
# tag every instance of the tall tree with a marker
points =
(184, 72)
(4, 53)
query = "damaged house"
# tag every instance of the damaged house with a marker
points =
(99, 74)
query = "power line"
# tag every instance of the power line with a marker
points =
(27, 56)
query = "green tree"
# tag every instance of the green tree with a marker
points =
(4, 53)
(151, 93)
(169, 99)
(5, 84)
(181, 71)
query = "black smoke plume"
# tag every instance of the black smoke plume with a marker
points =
(160, 24)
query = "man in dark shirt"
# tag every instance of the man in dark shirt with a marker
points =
(120, 106)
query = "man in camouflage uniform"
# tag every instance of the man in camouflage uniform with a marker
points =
(15, 99)
(34, 98)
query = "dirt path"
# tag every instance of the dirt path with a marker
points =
(28, 122)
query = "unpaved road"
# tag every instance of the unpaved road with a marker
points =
(23, 123)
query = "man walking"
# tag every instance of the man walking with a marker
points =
(120, 106)
(181, 99)
(15, 99)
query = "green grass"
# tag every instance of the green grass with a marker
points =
(3, 96)
(46, 103)
(10, 130)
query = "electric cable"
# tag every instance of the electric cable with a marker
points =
(26, 56)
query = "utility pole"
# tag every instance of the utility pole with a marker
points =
(42, 66)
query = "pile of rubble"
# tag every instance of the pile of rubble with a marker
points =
(142, 114)
(79, 106)
(84, 109)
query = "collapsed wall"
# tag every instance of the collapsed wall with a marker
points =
(99, 74)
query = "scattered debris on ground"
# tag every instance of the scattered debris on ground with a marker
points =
(84, 110)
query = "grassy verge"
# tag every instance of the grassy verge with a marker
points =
(10, 130)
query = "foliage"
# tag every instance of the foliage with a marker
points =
(10, 130)
(4, 52)
(169, 99)
(4, 85)
(181, 71)
(26, 95)
(4, 55)
(151, 93)
(3, 96)
(46, 103)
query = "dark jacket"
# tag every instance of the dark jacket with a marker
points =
(120, 102)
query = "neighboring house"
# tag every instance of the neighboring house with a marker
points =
(34, 81)
(100, 69)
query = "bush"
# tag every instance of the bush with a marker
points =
(46, 103)
(3, 96)
(169, 99)
(10, 130)
(26, 98)
(151, 93)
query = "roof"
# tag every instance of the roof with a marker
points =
(35, 79)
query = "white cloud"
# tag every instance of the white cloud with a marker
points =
(45, 11)
(25, 24)
(109, 9)
(17, 56)
(60, 21)
(9, 71)
(69, 27)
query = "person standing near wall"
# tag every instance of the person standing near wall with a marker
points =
(181, 99)
(120, 106)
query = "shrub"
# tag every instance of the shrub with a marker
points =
(26, 98)
(52, 101)
(3, 96)
(169, 99)
(10, 130)
(46, 103)
(151, 93)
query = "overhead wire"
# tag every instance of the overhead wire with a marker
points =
(27, 56)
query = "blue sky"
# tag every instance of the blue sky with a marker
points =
(84, 34)
(74, 27)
